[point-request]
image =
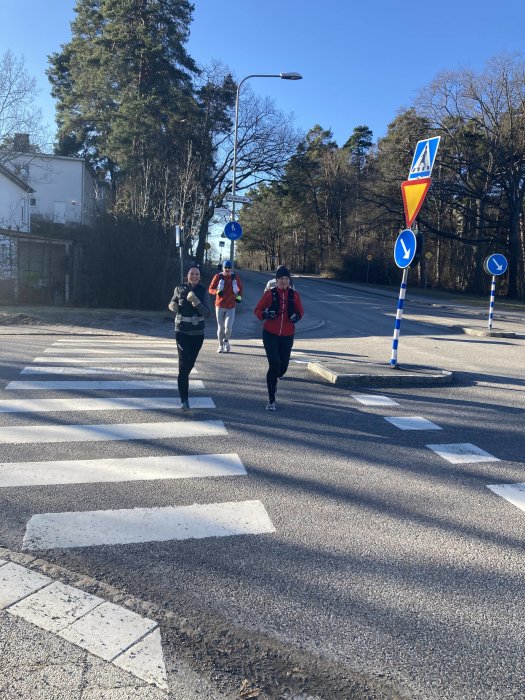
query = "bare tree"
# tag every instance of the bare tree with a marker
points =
(266, 139)
(489, 108)
(18, 113)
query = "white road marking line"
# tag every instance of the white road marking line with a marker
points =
(513, 493)
(112, 431)
(374, 400)
(17, 583)
(139, 403)
(462, 453)
(108, 385)
(169, 359)
(56, 606)
(108, 369)
(121, 342)
(107, 630)
(145, 660)
(97, 471)
(94, 528)
(114, 352)
(412, 423)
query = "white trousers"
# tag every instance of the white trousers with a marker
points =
(225, 318)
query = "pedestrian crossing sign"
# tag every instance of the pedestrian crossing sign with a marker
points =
(424, 157)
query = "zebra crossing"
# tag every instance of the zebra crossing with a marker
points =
(454, 453)
(119, 526)
(121, 637)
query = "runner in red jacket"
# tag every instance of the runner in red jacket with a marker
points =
(280, 308)
(227, 288)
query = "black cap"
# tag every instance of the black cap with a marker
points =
(282, 271)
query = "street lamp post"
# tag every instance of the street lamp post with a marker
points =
(282, 76)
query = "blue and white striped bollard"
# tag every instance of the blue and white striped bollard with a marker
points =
(492, 295)
(399, 316)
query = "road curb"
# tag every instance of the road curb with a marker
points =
(369, 374)
(199, 638)
(486, 333)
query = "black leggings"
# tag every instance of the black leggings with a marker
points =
(189, 347)
(278, 349)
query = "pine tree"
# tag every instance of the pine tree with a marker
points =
(123, 84)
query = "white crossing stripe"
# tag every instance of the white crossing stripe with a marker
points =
(374, 400)
(107, 630)
(131, 403)
(171, 359)
(412, 423)
(89, 471)
(93, 528)
(108, 385)
(112, 431)
(513, 493)
(462, 453)
(115, 352)
(122, 342)
(108, 369)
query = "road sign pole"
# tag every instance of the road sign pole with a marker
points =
(492, 295)
(179, 242)
(399, 316)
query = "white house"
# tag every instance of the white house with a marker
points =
(14, 201)
(66, 190)
(14, 217)
(38, 263)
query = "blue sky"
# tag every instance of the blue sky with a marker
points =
(361, 61)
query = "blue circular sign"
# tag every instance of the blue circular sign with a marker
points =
(405, 248)
(495, 264)
(233, 230)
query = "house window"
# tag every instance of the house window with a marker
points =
(32, 201)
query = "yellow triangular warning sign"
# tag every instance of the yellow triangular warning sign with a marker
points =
(414, 193)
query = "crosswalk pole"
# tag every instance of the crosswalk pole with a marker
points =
(399, 316)
(492, 295)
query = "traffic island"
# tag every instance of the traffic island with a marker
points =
(486, 333)
(347, 373)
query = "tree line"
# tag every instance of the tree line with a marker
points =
(159, 129)
(338, 210)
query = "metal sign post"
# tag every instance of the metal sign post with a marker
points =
(399, 316)
(407, 252)
(492, 297)
(178, 243)
(494, 265)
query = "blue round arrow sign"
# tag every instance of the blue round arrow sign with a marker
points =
(495, 264)
(233, 230)
(405, 248)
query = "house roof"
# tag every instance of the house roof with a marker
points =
(18, 181)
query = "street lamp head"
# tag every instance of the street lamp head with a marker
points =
(290, 76)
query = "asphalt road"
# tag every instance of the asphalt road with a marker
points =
(391, 570)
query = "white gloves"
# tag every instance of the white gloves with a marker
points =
(193, 298)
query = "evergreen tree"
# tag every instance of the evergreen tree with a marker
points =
(123, 84)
